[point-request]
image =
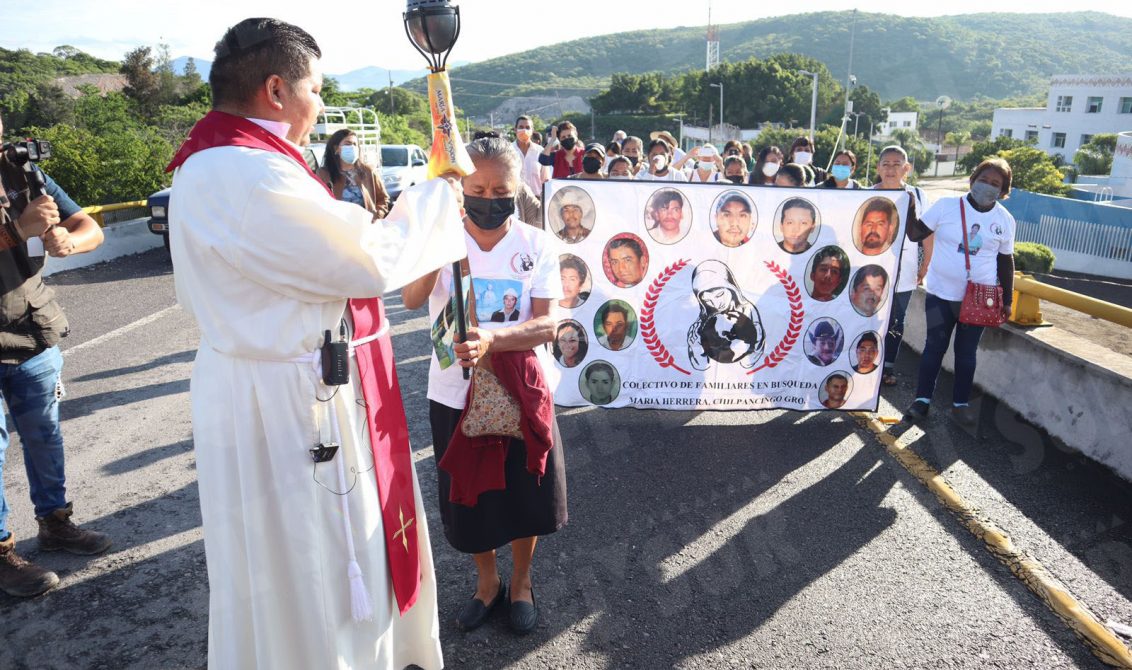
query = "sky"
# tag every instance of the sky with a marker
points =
(373, 33)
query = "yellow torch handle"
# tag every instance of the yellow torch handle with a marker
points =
(448, 156)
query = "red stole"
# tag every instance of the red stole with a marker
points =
(385, 415)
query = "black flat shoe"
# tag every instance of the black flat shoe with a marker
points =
(475, 612)
(524, 615)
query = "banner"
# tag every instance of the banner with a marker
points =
(717, 296)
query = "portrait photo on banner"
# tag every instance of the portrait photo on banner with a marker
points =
(599, 383)
(615, 325)
(576, 281)
(668, 216)
(571, 214)
(571, 343)
(625, 260)
(797, 224)
(875, 226)
(734, 218)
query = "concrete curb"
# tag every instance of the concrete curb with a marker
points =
(1077, 391)
(1101, 641)
(122, 239)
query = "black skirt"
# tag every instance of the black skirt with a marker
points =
(526, 508)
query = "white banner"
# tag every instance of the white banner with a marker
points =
(712, 296)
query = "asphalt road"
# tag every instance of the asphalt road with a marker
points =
(696, 540)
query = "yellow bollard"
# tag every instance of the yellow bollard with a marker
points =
(1026, 310)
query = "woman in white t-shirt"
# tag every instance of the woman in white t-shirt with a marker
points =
(509, 262)
(892, 168)
(990, 241)
(659, 166)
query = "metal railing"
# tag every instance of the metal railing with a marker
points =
(114, 213)
(1028, 292)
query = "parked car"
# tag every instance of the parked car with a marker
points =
(402, 166)
(158, 207)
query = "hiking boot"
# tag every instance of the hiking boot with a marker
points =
(57, 531)
(20, 578)
(917, 411)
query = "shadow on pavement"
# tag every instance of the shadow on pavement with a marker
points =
(146, 457)
(186, 356)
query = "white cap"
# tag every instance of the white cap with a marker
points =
(571, 197)
(511, 292)
(708, 151)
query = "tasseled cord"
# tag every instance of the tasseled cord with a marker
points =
(360, 605)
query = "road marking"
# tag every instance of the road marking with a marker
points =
(1100, 640)
(121, 331)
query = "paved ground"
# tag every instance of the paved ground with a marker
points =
(697, 540)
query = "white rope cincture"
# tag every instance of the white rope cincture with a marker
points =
(360, 605)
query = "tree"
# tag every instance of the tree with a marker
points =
(1095, 156)
(190, 78)
(142, 83)
(403, 101)
(983, 150)
(905, 104)
(1034, 171)
(867, 104)
(48, 106)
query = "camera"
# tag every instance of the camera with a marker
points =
(24, 155)
(33, 150)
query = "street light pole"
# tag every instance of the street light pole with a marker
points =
(813, 102)
(720, 87)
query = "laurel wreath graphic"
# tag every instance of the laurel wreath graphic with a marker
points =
(656, 348)
(797, 314)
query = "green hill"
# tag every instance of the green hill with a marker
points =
(990, 55)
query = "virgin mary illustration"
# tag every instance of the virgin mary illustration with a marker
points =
(729, 329)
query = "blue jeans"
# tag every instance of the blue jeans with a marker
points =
(895, 329)
(30, 391)
(942, 319)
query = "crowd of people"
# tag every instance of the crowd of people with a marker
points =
(294, 382)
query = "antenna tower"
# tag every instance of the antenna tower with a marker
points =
(712, 42)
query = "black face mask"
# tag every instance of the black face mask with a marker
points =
(591, 165)
(569, 143)
(735, 179)
(633, 160)
(488, 213)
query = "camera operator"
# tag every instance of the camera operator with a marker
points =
(31, 324)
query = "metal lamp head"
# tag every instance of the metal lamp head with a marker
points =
(433, 27)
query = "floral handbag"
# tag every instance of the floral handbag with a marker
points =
(491, 409)
(982, 303)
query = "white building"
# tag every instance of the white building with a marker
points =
(897, 121)
(1079, 106)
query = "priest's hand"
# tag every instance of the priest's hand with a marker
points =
(476, 346)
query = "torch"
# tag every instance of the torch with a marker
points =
(433, 27)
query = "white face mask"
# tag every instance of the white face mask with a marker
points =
(348, 153)
(659, 161)
(707, 166)
(770, 169)
(803, 157)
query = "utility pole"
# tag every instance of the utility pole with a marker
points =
(813, 103)
(710, 113)
(720, 87)
(392, 103)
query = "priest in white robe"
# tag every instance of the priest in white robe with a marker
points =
(302, 564)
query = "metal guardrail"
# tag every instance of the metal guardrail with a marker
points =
(1028, 292)
(100, 212)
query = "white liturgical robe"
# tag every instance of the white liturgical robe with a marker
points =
(264, 260)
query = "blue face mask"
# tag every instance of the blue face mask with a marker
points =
(348, 153)
(841, 172)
